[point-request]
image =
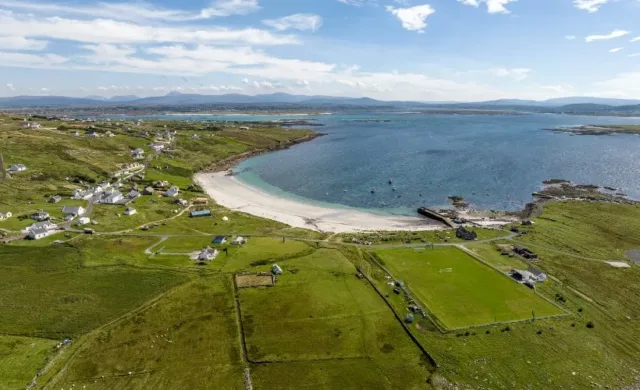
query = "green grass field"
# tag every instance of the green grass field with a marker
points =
(188, 340)
(21, 358)
(48, 292)
(383, 238)
(318, 314)
(461, 291)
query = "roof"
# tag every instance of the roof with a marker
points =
(199, 213)
(71, 209)
(39, 231)
(219, 239)
(535, 271)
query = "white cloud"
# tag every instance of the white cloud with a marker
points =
(23, 60)
(138, 11)
(21, 43)
(302, 82)
(590, 6)
(10, 87)
(245, 81)
(112, 31)
(493, 6)
(517, 74)
(570, 37)
(634, 55)
(414, 18)
(300, 22)
(625, 86)
(266, 85)
(614, 34)
(617, 49)
(44, 89)
(636, 39)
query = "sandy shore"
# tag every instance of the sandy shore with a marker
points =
(236, 195)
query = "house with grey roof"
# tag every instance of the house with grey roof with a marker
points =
(137, 154)
(112, 197)
(172, 192)
(208, 254)
(73, 210)
(133, 194)
(55, 199)
(43, 225)
(36, 234)
(40, 216)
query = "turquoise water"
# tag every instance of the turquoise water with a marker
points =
(494, 162)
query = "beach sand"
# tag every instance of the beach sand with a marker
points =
(233, 194)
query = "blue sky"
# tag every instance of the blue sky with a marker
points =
(427, 50)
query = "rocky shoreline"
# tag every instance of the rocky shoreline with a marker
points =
(598, 129)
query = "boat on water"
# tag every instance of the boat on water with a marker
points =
(373, 190)
(390, 181)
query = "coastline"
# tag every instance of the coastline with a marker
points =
(233, 194)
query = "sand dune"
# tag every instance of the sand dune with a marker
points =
(230, 192)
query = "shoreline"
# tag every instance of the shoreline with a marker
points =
(235, 195)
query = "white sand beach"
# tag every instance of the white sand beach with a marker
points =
(231, 193)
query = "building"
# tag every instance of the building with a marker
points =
(208, 254)
(91, 134)
(276, 270)
(84, 221)
(133, 194)
(239, 241)
(465, 234)
(36, 234)
(244, 128)
(55, 199)
(537, 274)
(195, 136)
(112, 197)
(200, 213)
(158, 147)
(6, 215)
(148, 191)
(181, 202)
(524, 252)
(219, 240)
(137, 154)
(31, 125)
(46, 225)
(40, 216)
(73, 210)
(109, 134)
(17, 168)
(172, 192)
(200, 201)
(130, 211)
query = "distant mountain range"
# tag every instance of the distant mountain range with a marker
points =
(567, 104)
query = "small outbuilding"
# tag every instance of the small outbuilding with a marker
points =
(172, 192)
(219, 240)
(84, 221)
(200, 213)
(465, 234)
(239, 241)
(40, 216)
(17, 168)
(208, 254)
(130, 211)
(73, 210)
(55, 199)
(148, 191)
(276, 270)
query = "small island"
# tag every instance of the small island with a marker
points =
(598, 129)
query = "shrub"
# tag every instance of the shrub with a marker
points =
(591, 325)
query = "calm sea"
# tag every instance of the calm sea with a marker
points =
(494, 162)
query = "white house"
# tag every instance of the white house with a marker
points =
(37, 234)
(208, 254)
(84, 221)
(73, 210)
(276, 270)
(239, 241)
(158, 147)
(5, 215)
(109, 134)
(92, 134)
(195, 136)
(31, 125)
(46, 225)
(172, 192)
(130, 211)
(112, 197)
(17, 168)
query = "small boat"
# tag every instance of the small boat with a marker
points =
(390, 181)
(373, 190)
(393, 189)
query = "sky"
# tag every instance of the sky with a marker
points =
(418, 50)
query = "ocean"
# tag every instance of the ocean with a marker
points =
(495, 162)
